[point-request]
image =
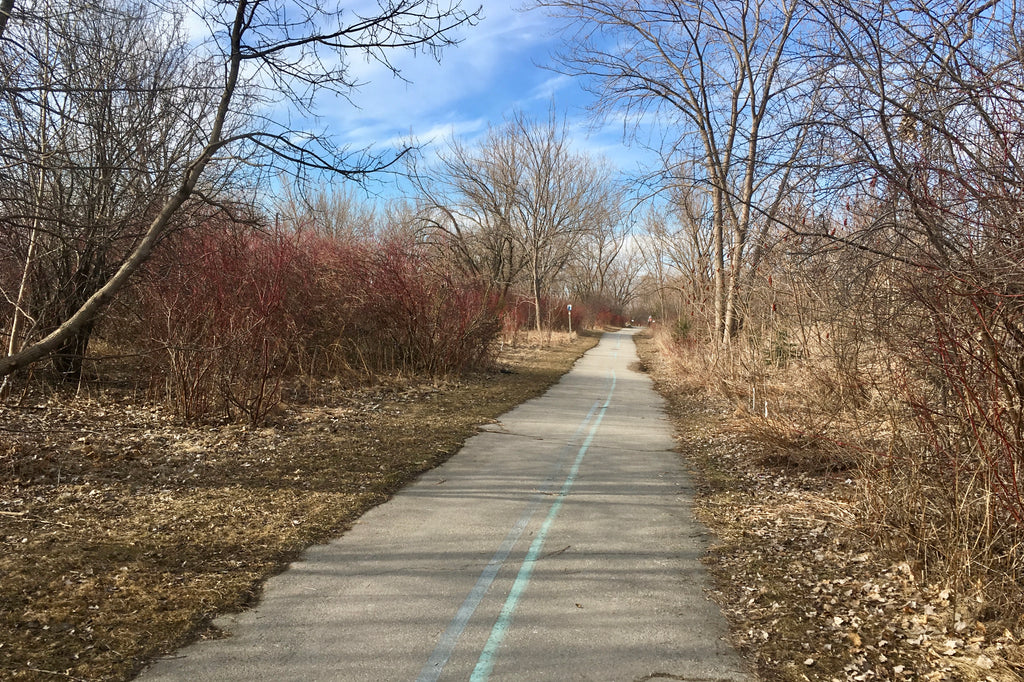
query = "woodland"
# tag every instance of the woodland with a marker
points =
(830, 253)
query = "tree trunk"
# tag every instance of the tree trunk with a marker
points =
(69, 358)
(730, 321)
(719, 263)
(536, 297)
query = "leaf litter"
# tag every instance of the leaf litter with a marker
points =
(123, 533)
(808, 594)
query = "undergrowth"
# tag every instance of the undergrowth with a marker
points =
(815, 584)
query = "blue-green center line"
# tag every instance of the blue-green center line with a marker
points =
(446, 645)
(485, 664)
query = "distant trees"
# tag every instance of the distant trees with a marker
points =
(606, 269)
(520, 207)
(677, 244)
(466, 204)
(721, 79)
(258, 51)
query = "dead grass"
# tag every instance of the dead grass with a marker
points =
(809, 593)
(123, 533)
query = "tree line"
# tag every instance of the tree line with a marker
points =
(839, 246)
(834, 220)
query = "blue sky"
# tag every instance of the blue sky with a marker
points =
(498, 68)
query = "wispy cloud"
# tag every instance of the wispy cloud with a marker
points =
(482, 78)
(497, 68)
(439, 133)
(549, 88)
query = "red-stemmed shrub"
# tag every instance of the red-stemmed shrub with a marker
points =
(413, 317)
(230, 312)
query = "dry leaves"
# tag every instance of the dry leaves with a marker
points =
(808, 594)
(123, 532)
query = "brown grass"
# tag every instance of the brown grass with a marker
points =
(811, 591)
(124, 533)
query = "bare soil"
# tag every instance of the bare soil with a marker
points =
(809, 594)
(123, 532)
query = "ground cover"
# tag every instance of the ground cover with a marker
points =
(123, 532)
(809, 594)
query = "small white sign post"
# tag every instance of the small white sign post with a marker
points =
(569, 308)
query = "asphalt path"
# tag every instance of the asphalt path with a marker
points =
(558, 544)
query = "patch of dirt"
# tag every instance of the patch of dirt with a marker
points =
(808, 595)
(123, 533)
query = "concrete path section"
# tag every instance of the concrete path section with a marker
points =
(558, 544)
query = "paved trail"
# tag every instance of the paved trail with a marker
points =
(557, 545)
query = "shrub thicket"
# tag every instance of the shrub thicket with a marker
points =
(228, 314)
(907, 368)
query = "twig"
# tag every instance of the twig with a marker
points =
(53, 523)
(58, 674)
(22, 517)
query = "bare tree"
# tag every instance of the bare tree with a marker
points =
(335, 211)
(518, 207)
(88, 151)
(721, 77)
(909, 267)
(677, 247)
(623, 279)
(268, 51)
(592, 271)
(466, 206)
(918, 121)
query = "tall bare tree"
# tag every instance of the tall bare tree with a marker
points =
(466, 206)
(593, 276)
(517, 208)
(721, 77)
(88, 152)
(268, 51)
(677, 245)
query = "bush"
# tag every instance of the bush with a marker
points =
(412, 317)
(228, 313)
(216, 312)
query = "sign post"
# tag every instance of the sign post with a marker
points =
(569, 308)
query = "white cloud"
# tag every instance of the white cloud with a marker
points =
(435, 136)
(548, 89)
(495, 70)
(483, 77)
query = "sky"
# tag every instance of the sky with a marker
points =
(499, 67)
